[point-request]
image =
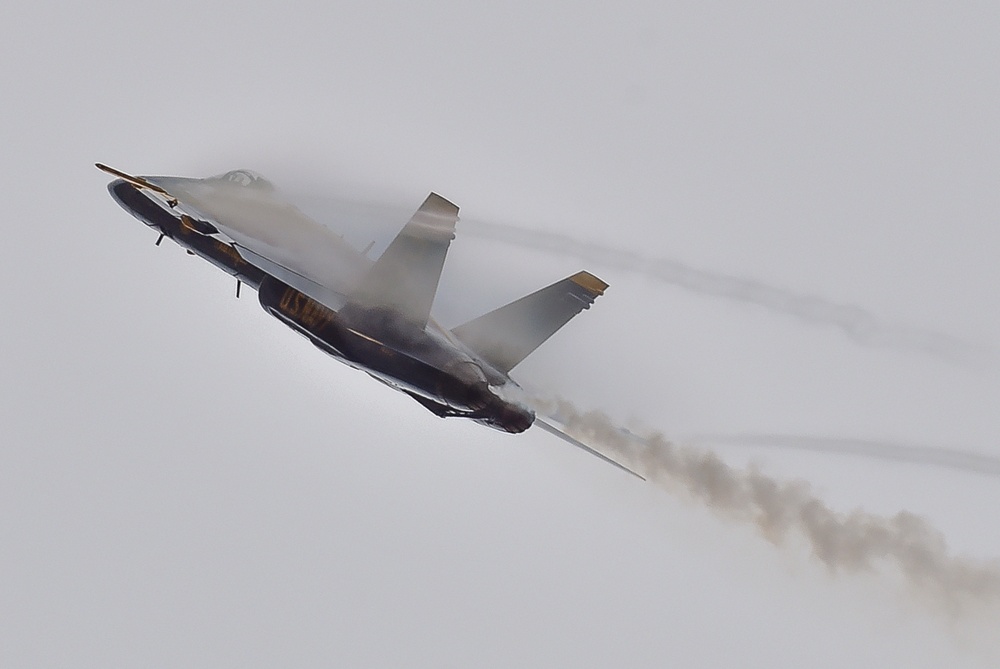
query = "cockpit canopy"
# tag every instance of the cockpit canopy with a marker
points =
(246, 178)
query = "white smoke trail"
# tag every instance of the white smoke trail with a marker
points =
(860, 325)
(781, 511)
(966, 461)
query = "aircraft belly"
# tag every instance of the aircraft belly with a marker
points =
(219, 253)
(406, 361)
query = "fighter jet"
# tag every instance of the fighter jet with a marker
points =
(374, 315)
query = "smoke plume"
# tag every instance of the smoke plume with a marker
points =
(860, 325)
(787, 512)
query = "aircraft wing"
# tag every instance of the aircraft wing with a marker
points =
(268, 233)
(138, 182)
(405, 278)
(552, 429)
(317, 291)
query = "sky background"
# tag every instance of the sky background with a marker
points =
(184, 481)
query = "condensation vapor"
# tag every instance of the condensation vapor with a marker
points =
(788, 512)
(966, 461)
(859, 324)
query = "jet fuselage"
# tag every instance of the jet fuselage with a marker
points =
(425, 362)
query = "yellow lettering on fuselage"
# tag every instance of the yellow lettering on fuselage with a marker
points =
(309, 312)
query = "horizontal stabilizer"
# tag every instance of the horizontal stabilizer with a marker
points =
(405, 278)
(506, 336)
(552, 429)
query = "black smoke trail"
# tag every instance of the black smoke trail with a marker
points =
(785, 512)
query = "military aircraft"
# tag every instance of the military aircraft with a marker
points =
(373, 315)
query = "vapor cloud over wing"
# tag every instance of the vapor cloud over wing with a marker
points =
(967, 461)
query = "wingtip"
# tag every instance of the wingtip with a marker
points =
(116, 173)
(439, 204)
(139, 182)
(590, 283)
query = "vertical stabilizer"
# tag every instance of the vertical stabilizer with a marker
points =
(405, 278)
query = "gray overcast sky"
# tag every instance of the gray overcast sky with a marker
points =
(183, 481)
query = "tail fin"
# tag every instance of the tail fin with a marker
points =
(506, 336)
(405, 278)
